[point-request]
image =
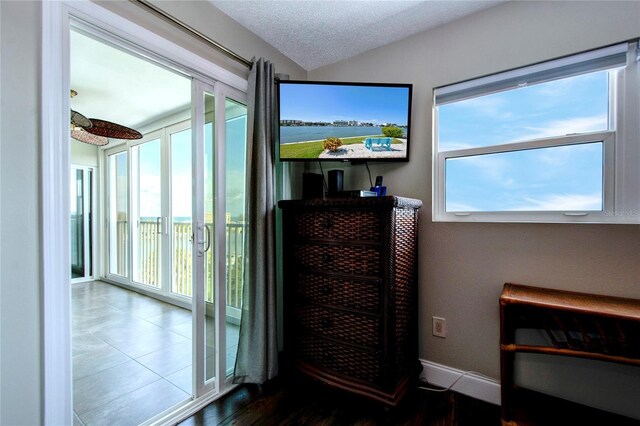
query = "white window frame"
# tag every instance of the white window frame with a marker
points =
(621, 152)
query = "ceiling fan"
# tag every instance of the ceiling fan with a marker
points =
(95, 131)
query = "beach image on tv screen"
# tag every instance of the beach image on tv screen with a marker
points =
(343, 122)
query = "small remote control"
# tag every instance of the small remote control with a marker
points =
(378, 181)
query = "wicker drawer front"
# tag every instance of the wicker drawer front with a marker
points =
(350, 362)
(352, 260)
(341, 225)
(362, 330)
(346, 293)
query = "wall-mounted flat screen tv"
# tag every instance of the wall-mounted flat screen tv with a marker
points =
(331, 121)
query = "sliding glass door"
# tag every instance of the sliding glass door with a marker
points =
(118, 214)
(181, 217)
(81, 226)
(171, 225)
(176, 223)
(160, 196)
(220, 123)
(205, 265)
(159, 193)
(149, 225)
(235, 130)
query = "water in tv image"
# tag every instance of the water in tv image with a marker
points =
(341, 121)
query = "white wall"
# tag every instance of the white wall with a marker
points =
(20, 263)
(463, 266)
(20, 344)
(83, 154)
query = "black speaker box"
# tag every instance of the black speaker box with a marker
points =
(312, 186)
(335, 181)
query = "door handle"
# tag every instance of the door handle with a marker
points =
(203, 242)
(159, 225)
(208, 239)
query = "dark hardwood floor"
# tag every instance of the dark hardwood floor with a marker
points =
(302, 402)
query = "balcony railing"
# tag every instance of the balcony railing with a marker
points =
(148, 259)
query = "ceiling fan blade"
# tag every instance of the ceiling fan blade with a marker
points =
(86, 137)
(80, 120)
(112, 130)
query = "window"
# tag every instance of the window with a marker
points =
(557, 141)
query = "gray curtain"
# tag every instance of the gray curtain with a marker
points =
(257, 359)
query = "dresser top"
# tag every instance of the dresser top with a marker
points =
(390, 201)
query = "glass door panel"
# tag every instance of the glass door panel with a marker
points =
(81, 222)
(235, 148)
(181, 199)
(209, 220)
(209, 204)
(77, 223)
(206, 270)
(118, 227)
(147, 211)
(88, 223)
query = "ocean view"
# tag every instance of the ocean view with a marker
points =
(290, 134)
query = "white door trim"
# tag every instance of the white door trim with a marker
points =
(55, 154)
(56, 290)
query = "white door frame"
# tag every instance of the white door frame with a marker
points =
(55, 155)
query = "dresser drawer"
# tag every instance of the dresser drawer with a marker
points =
(352, 260)
(339, 225)
(359, 329)
(344, 360)
(341, 292)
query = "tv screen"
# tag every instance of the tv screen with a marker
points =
(329, 121)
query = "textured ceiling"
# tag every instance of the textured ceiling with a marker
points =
(314, 33)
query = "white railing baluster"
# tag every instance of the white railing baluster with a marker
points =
(148, 244)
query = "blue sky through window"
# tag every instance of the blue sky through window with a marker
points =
(546, 179)
(181, 174)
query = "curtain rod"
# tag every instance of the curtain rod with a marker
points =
(176, 22)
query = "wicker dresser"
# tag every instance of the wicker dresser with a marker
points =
(350, 293)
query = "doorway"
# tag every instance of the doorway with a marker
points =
(157, 319)
(57, 20)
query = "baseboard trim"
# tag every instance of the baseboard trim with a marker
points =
(471, 384)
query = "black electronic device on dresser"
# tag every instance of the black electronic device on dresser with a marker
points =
(350, 293)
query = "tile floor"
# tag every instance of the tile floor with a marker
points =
(131, 355)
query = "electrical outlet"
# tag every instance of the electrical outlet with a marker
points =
(439, 327)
